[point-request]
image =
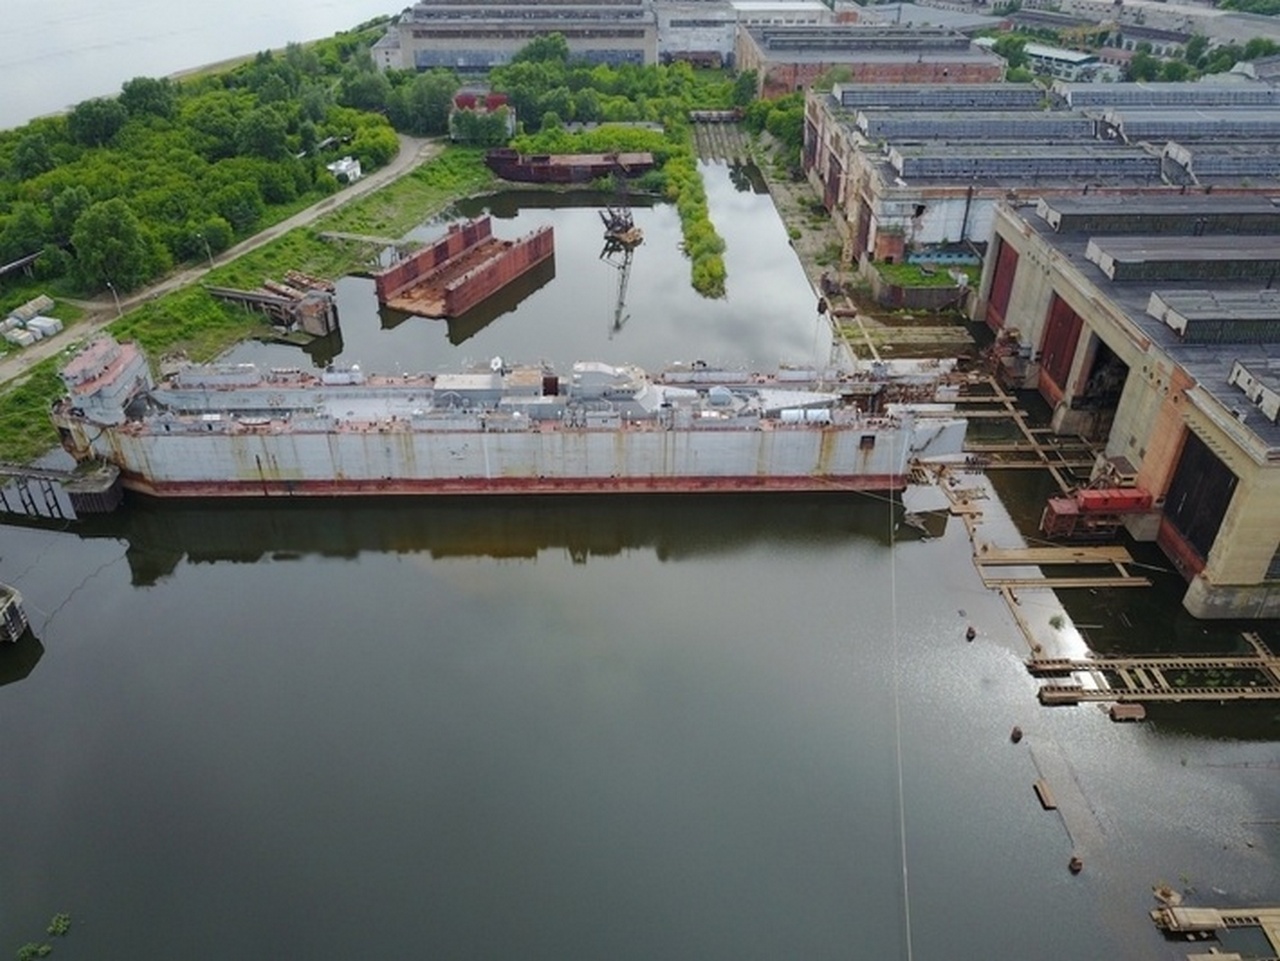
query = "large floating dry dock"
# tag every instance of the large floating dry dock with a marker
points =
(463, 268)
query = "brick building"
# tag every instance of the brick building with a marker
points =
(787, 59)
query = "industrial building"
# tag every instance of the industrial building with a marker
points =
(471, 35)
(1153, 324)
(702, 32)
(1219, 25)
(793, 58)
(1060, 63)
(905, 169)
(913, 14)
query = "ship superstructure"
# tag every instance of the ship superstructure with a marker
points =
(215, 430)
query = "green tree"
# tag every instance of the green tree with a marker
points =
(94, 122)
(273, 90)
(307, 137)
(483, 129)
(313, 103)
(111, 247)
(587, 106)
(215, 117)
(24, 232)
(261, 133)
(65, 209)
(840, 73)
(745, 86)
(552, 47)
(426, 102)
(1193, 53)
(1258, 47)
(1174, 70)
(239, 204)
(364, 90)
(1012, 49)
(1143, 66)
(143, 96)
(303, 59)
(31, 157)
(375, 146)
(558, 101)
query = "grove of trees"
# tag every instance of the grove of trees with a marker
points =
(120, 189)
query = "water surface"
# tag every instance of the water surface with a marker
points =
(627, 728)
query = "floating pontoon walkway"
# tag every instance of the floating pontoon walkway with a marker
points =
(987, 556)
(1199, 922)
(1170, 678)
(1039, 448)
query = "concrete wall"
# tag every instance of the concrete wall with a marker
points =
(695, 28)
(1159, 404)
(1231, 583)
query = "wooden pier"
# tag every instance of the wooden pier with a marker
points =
(57, 494)
(1039, 448)
(1168, 678)
(1117, 557)
(1058, 790)
(1195, 923)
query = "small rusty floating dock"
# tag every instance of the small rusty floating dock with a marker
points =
(463, 268)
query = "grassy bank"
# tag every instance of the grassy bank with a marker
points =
(191, 322)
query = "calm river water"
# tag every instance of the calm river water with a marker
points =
(591, 728)
(59, 52)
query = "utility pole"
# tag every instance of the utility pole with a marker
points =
(207, 252)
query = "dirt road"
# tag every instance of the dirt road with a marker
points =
(102, 311)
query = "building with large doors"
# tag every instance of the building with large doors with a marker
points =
(1153, 324)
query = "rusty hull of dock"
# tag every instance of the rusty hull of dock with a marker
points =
(462, 269)
(566, 168)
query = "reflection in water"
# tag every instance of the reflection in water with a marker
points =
(510, 203)
(19, 659)
(161, 534)
(746, 178)
(324, 350)
(504, 301)
(619, 256)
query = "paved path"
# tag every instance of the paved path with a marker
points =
(102, 310)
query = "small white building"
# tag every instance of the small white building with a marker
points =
(1056, 62)
(348, 169)
(1059, 63)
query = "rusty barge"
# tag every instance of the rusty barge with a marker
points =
(237, 430)
(460, 270)
(569, 168)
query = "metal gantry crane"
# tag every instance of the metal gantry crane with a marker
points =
(621, 238)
